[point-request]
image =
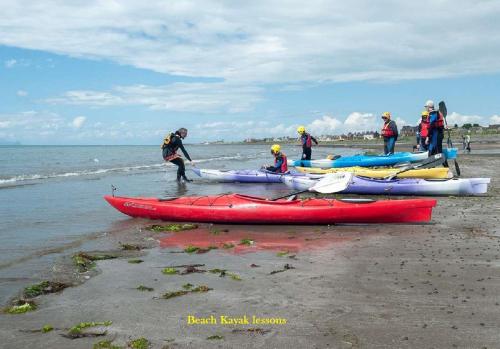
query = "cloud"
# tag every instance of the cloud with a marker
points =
(495, 120)
(266, 42)
(22, 93)
(10, 63)
(460, 119)
(184, 97)
(78, 121)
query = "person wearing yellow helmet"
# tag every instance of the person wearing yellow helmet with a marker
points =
(423, 128)
(389, 132)
(306, 140)
(280, 161)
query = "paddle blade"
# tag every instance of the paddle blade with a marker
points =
(457, 168)
(443, 109)
(333, 183)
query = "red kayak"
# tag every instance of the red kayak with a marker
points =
(236, 208)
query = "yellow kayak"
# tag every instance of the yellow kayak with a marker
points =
(426, 173)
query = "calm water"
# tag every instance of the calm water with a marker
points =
(51, 196)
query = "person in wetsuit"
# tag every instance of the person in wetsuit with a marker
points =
(171, 144)
(306, 140)
(280, 161)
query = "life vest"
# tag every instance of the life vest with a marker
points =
(424, 128)
(387, 131)
(169, 151)
(439, 123)
(306, 140)
(284, 165)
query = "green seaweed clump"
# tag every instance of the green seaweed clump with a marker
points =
(106, 345)
(43, 287)
(170, 271)
(82, 262)
(145, 288)
(197, 289)
(135, 261)
(215, 336)
(282, 253)
(130, 247)
(191, 249)
(139, 343)
(22, 306)
(83, 325)
(234, 276)
(172, 227)
(247, 242)
(187, 286)
(227, 245)
(222, 272)
(47, 328)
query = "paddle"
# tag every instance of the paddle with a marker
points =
(431, 161)
(330, 183)
(444, 111)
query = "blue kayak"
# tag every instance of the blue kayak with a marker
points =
(370, 160)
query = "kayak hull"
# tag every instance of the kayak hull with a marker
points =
(371, 160)
(410, 186)
(362, 160)
(236, 208)
(427, 173)
(241, 176)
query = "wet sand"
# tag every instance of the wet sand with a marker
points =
(382, 286)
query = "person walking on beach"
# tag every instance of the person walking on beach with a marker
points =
(389, 132)
(467, 142)
(423, 127)
(280, 161)
(306, 140)
(171, 144)
(436, 129)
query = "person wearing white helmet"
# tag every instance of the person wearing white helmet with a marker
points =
(436, 129)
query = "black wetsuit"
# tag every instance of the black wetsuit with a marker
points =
(306, 139)
(169, 154)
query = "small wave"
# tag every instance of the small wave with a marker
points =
(7, 182)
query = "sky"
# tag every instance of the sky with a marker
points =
(128, 72)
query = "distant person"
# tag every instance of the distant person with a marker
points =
(436, 129)
(306, 140)
(389, 132)
(464, 145)
(424, 131)
(280, 161)
(467, 142)
(171, 144)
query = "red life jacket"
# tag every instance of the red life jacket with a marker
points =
(284, 165)
(424, 127)
(387, 131)
(308, 140)
(440, 121)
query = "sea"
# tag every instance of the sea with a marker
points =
(51, 197)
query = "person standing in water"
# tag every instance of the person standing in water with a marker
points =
(171, 144)
(389, 132)
(306, 140)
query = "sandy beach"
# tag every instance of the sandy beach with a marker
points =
(367, 286)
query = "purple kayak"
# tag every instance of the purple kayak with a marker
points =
(406, 186)
(243, 176)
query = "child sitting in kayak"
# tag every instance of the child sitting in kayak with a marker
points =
(280, 162)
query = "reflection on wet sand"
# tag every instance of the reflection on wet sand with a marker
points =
(241, 240)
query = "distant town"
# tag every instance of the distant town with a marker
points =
(405, 131)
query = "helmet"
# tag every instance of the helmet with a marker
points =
(386, 114)
(429, 104)
(425, 114)
(275, 148)
(301, 129)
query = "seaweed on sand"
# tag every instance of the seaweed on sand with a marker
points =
(198, 289)
(171, 227)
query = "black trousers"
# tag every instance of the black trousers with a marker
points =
(306, 153)
(181, 168)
